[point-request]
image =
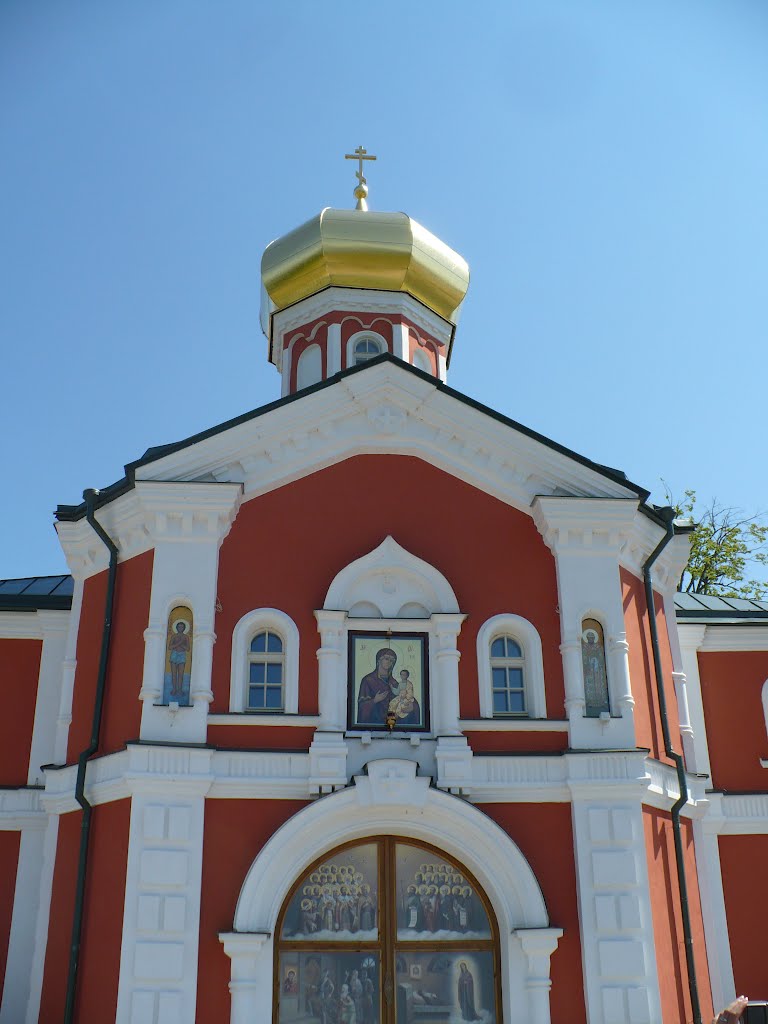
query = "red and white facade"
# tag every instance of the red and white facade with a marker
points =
(377, 499)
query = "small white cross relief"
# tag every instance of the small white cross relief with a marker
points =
(387, 419)
(392, 781)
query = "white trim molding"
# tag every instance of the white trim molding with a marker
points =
(250, 624)
(391, 799)
(533, 663)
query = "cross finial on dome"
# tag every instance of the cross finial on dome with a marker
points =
(361, 190)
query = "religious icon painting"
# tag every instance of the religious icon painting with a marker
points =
(178, 656)
(596, 697)
(439, 904)
(388, 682)
(456, 986)
(342, 905)
(334, 987)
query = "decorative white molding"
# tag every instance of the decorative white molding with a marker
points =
(390, 578)
(21, 809)
(737, 637)
(513, 725)
(374, 806)
(586, 536)
(538, 945)
(371, 334)
(53, 627)
(21, 939)
(36, 965)
(21, 626)
(361, 301)
(533, 662)
(689, 638)
(249, 625)
(253, 718)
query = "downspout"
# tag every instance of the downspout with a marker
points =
(89, 496)
(668, 514)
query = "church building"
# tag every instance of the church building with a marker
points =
(374, 706)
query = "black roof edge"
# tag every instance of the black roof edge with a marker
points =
(724, 615)
(33, 602)
(73, 513)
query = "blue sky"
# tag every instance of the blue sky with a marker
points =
(601, 164)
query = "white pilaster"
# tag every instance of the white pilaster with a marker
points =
(707, 848)
(187, 523)
(68, 668)
(400, 342)
(445, 628)
(690, 638)
(620, 970)
(331, 666)
(53, 625)
(36, 965)
(333, 349)
(21, 940)
(538, 945)
(586, 536)
(161, 917)
(251, 981)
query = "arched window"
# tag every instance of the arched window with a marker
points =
(266, 668)
(510, 668)
(508, 676)
(385, 931)
(309, 369)
(265, 663)
(596, 699)
(365, 348)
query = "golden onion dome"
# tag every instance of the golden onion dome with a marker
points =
(364, 249)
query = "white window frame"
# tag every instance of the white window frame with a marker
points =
(364, 336)
(254, 622)
(526, 635)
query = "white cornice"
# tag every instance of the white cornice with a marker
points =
(21, 808)
(152, 511)
(33, 625)
(360, 301)
(587, 526)
(737, 814)
(734, 638)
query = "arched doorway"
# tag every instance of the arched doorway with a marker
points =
(386, 931)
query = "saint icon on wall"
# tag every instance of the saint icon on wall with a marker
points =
(178, 656)
(593, 665)
(387, 678)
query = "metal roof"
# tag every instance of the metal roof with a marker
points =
(34, 592)
(711, 608)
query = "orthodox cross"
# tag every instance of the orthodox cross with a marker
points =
(361, 192)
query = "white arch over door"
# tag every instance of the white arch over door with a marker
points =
(392, 800)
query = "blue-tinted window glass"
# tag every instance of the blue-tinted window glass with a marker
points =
(275, 674)
(274, 696)
(499, 702)
(515, 677)
(497, 648)
(513, 648)
(256, 697)
(257, 672)
(259, 643)
(274, 643)
(516, 702)
(499, 678)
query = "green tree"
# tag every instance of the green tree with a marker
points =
(727, 547)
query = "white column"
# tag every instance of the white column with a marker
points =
(445, 630)
(538, 945)
(401, 342)
(586, 536)
(252, 982)
(707, 848)
(620, 970)
(21, 939)
(161, 916)
(331, 667)
(187, 523)
(690, 638)
(68, 668)
(36, 965)
(54, 626)
(333, 349)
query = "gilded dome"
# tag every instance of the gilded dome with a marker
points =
(364, 249)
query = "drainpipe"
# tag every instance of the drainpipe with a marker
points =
(668, 514)
(89, 496)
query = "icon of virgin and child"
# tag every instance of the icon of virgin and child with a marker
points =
(382, 692)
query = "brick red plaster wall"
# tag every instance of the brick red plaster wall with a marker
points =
(103, 920)
(667, 919)
(731, 691)
(647, 719)
(122, 708)
(235, 832)
(545, 836)
(743, 860)
(19, 671)
(285, 548)
(9, 861)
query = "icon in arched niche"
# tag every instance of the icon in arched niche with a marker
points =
(595, 672)
(178, 656)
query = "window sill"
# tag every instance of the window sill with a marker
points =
(513, 725)
(261, 718)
